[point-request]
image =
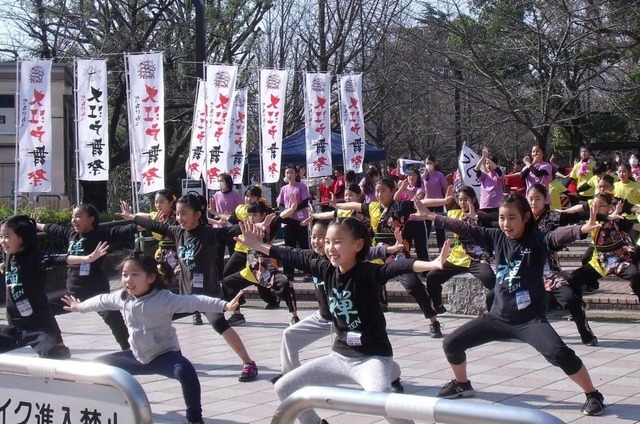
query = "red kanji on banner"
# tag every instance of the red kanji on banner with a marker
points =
(234, 172)
(272, 168)
(151, 94)
(38, 97)
(193, 167)
(37, 133)
(37, 177)
(274, 102)
(223, 102)
(212, 174)
(153, 131)
(356, 161)
(150, 175)
(320, 163)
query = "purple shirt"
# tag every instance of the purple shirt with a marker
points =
(491, 193)
(435, 185)
(226, 203)
(301, 192)
(367, 197)
(544, 180)
(409, 193)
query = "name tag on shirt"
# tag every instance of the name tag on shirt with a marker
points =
(547, 270)
(85, 269)
(354, 338)
(300, 215)
(479, 250)
(523, 299)
(197, 281)
(24, 307)
(612, 261)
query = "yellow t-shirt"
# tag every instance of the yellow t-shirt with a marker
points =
(629, 191)
(242, 212)
(575, 174)
(458, 256)
(555, 190)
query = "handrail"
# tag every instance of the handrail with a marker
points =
(410, 407)
(83, 372)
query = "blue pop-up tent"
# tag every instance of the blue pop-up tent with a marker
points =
(294, 151)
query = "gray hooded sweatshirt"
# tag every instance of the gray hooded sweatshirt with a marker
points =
(149, 317)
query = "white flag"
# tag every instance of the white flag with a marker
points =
(352, 117)
(146, 114)
(197, 149)
(318, 124)
(235, 160)
(220, 83)
(34, 131)
(273, 89)
(92, 120)
(466, 164)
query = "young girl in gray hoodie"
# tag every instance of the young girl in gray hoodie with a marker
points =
(148, 308)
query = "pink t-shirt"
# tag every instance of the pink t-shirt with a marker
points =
(435, 185)
(544, 180)
(491, 192)
(227, 202)
(301, 192)
(409, 193)
(367, 197)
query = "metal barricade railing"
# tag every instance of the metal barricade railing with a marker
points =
(69, 391)
(410, 407)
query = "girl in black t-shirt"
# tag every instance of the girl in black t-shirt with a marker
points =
(197, 243)
(30, 320)
(362, 352)
(520, 305)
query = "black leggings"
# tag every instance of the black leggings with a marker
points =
(571, 300)
(281, 288)
(537, 333)
(587, 275)
(441, 236)
(415, 232)
(220, 251)
(437, 277)
(295, 234)
(412, 284)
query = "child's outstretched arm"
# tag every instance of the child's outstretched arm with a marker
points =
(437, 263)
(347, 206)
(252, 237)
(100, 251)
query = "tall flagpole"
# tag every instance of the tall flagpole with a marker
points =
(17, 157)
(134, 163)
(260, 140)
(77, 122)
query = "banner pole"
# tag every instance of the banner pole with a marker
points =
(132, 150)
(260, 141)
(77, 122)
(16, 180)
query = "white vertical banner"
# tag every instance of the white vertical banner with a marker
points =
(146, 104)
(238, 144)
(466, 164)
(317, 102)
(273, 89)
(352, 121)
(34, 130)
(197, 148)
(92, 120)
(220, 82)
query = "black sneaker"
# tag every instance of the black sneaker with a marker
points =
(307, 278)
(289, 277)
(396, 386)
(294, 320)
(236, 319)
(195, 422)
(275, 379)
(197, 319)
(272, 305)
(594, 404)
(440, 310)
(593, 341)
(455, 389)
(59, 352)
(435, 330)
